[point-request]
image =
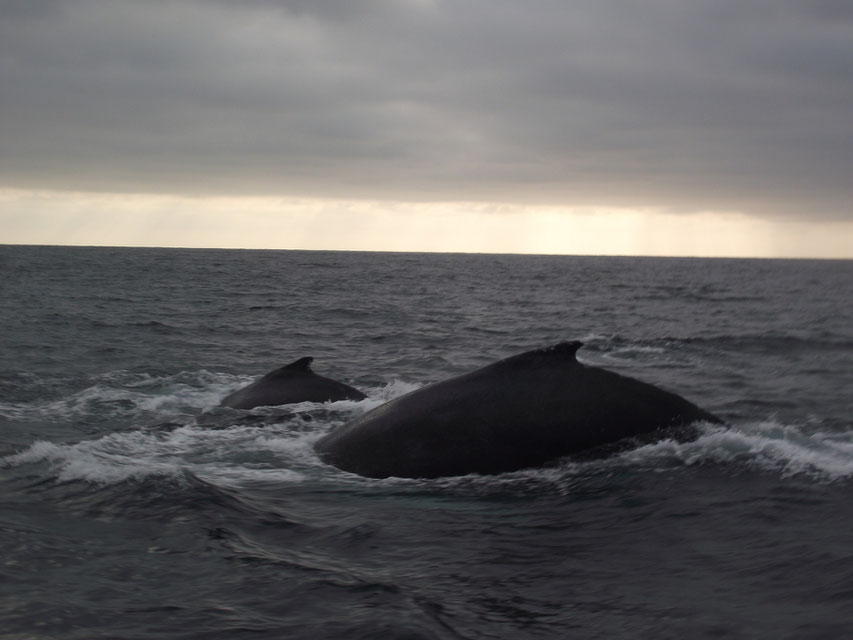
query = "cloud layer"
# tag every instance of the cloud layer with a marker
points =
(681, 106)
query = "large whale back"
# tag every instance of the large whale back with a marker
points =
(292, 383)
(521, 412)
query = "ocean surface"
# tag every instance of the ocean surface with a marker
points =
(132, 507)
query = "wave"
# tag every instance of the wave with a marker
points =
(615, 350)
(786, 450)
(222, 456)
(124, 394)
(770, 342)
(281, 453)
(224, 446)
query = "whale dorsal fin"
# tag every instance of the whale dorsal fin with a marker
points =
(565, 350)
(562, 352)
(303, 364)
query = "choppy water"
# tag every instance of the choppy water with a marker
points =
(131, 507)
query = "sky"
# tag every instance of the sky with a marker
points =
(642, 127)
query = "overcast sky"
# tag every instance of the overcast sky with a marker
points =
(680, 107)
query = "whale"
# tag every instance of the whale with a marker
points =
(292, 383)
(525, 411)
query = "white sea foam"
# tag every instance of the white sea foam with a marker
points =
(123, 394)
(629, 354)
(784, 449)
(277, 449)
(380, 395)
(394, 389)
(223, 456)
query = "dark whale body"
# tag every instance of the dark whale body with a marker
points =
(292, 383)
(521, 412)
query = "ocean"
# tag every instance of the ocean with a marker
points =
(132, 507)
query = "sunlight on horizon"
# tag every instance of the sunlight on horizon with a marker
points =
(74, 218)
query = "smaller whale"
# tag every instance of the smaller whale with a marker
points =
(521, 412)
(292, 383)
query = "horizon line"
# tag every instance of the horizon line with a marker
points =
(425, 252)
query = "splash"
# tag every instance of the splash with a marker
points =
(123, 394)
(786, 451)
(769, 446)
(283, 453)
(275, 443)
(225, 446)
(222, 456)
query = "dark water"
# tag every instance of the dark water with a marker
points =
(123, 514)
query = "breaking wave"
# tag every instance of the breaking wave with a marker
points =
(282, 453)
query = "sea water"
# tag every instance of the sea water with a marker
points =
(131, 506)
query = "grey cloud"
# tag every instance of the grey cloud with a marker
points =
(724, 105)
